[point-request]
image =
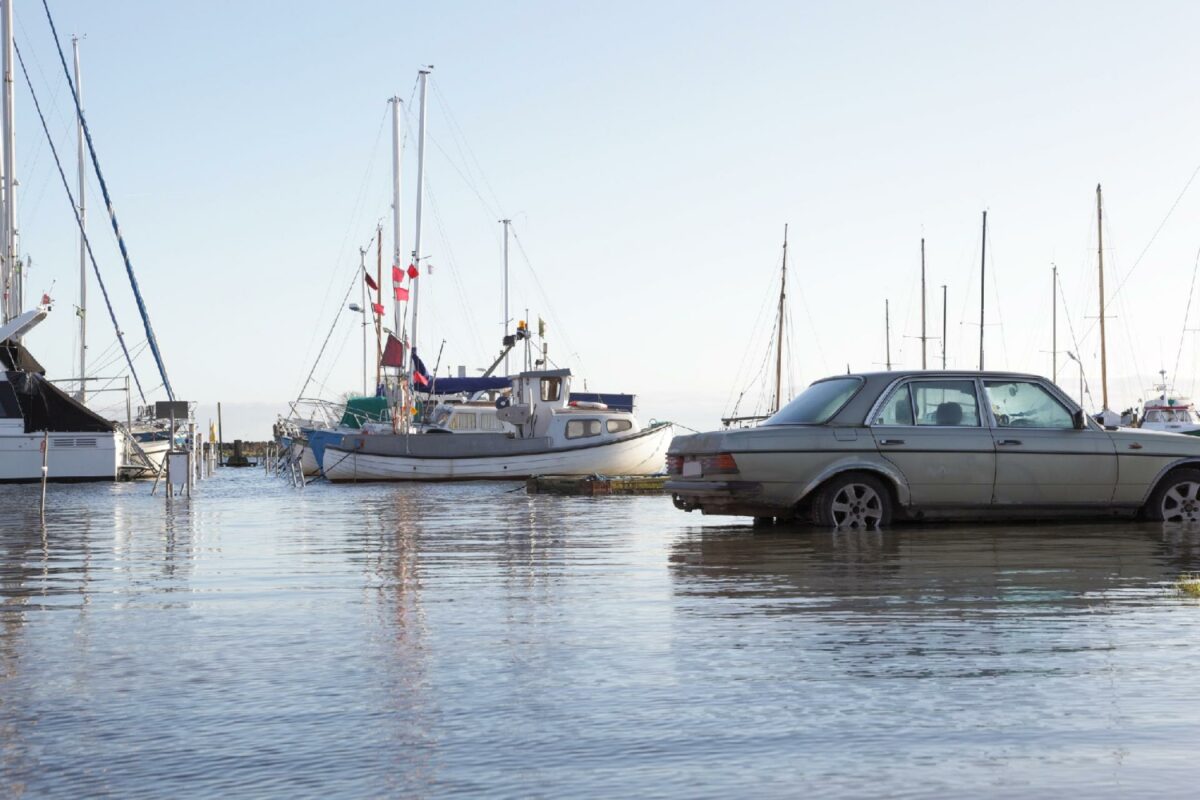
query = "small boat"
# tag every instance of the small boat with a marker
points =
(551, 435)
(1169, 412)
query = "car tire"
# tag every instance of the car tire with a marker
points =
(852, 501)
(1176, 498)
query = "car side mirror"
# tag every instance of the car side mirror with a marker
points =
(1078, 419)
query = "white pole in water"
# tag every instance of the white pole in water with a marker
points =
(45, 468)
(82, 244)
(8, 228)
(416, 282)
(397, 231)
(506, 223)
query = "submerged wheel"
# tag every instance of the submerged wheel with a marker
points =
(1176, 498)
(855, 500)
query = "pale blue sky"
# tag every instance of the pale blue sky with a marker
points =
(649, 154)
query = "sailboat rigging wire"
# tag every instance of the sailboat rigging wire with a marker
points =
(545, 298)
(78, 221)
(353, 283)
(1186, 313)
(767, 300)
(112, 215)
(462, 143)
(453, 268)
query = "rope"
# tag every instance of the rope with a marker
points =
(112, 216)
(78, 221)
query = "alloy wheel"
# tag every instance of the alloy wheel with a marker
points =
(1181, 503)
(857, 505)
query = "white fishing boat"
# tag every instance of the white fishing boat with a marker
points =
(552, 436)
(1169, 412)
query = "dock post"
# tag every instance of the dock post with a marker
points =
(220, 438)
(45, 469)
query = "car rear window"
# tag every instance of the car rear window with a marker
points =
(818, 403)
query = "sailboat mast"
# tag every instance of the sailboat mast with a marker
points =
(887, 333)
(13, 282)
(1100, 261)
(423, 77)
(506, 223)
(366, 313)
(982, 285)
(1054, 322)
(943, 326)
(82, 228)
(397, 231)
(378, 317)
(779, 341)
(923, 337)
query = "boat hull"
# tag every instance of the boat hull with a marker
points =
(72, 457)
(643, 453)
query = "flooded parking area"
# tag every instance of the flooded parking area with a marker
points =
(469, 639)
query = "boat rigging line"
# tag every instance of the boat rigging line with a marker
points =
(1186, 314)
(79, 221)
(137, 294)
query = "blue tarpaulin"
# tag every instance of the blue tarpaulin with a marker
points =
(464, 385)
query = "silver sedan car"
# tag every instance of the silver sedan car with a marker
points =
(861, 450)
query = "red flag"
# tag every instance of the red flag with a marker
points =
(46, 300)
(377, 308)
(419, 379)
(371, 281)
(397, 275)
(401, 293)
(412, 271)
(393, 352)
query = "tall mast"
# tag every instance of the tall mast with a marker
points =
(366, 311)
(82, 228)
(943, 326)
(13, 281)
(397, 232)
(378, 317)
(423, 78)
(887, 332)
(1054, 321)
(1100, 261)
(923, 337)
(506, 223)
(779, 342)
(982, 284)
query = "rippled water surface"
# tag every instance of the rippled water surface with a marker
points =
(469, 639)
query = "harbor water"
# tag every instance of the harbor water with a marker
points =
(471, 640)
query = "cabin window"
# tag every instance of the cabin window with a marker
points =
(551, 389)
(463, 421)
(489, 422)
(579, 428)
(618, 425)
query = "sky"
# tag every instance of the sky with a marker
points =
(649, 155)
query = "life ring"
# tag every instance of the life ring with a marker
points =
(503, 401)
(587, 404)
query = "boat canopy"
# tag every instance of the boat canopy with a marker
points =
(365, 409)
(45, 407)
(465, 385)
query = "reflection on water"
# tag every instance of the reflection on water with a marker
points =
(470, 639)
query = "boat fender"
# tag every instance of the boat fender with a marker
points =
(503, 401)
(587, 404)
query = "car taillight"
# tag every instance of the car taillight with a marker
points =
(718, 464)
(674, 465)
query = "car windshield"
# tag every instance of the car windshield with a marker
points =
(816, 404)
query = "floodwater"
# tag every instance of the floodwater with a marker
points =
(468, 639)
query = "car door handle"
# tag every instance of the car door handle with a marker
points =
(891, 441)
(1135, 446)
(1008, 441)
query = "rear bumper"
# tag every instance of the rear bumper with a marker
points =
(733, 498)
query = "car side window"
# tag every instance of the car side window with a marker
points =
(948, 403)
(897, 410)
(1024, 404)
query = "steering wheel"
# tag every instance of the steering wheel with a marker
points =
(1002, 419)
